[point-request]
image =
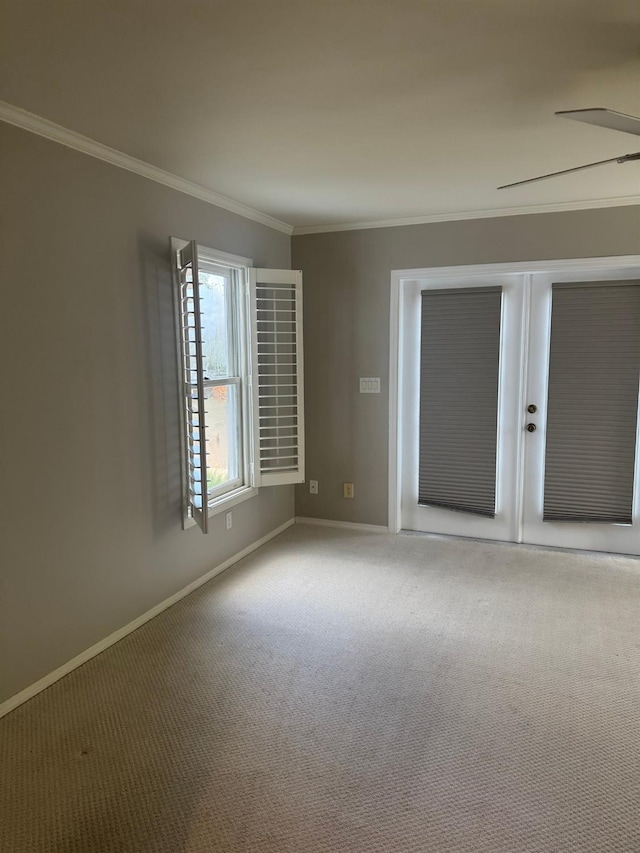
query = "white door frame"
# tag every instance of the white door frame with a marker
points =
(400, 282)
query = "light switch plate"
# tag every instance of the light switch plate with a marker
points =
(369, 384)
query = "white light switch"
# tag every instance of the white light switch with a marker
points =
(369, 384)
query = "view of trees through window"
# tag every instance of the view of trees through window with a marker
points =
(220, 400)
(214, 308)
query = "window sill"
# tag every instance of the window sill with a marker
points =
(224, 503)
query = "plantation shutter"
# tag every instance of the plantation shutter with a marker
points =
(459, 373)
(594, 371)
(277, 376)
(192, 382)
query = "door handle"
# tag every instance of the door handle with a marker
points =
(531, 427)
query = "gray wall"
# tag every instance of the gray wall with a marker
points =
(346, 303)
(89, 455)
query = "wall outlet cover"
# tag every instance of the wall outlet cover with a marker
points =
(313, 487)
(347, 490)
(369, 384)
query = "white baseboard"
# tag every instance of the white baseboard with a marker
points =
(94, 650)
(347, 525)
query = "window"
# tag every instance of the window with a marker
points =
(240, 353)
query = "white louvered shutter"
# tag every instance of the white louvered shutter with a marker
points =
(277, 376)
(192, 384)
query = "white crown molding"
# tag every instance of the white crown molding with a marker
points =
(492, 213)
(56, 133)
(62, 135)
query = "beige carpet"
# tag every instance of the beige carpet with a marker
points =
(341, 692)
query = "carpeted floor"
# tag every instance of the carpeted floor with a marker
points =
(342, 692)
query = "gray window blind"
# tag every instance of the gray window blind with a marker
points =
(459, 371)
(594, 369)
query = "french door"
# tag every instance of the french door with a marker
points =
(517, 404)
(581, 473)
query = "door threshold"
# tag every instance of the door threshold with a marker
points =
(530, 546)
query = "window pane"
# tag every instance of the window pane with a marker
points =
(222, 422)
(215, 310)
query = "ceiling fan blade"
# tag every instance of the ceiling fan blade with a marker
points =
(624, 159)
(604, 118)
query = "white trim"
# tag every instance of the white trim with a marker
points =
(523, 386)
(395, 406)
(47, 680)
(229, 499)
(549, 266)
(490, 213)
(346, 525)
(223, 504)
(56, 133)
(213, 256)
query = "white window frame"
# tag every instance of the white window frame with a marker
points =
(245, 490)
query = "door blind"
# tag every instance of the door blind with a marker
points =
(459, 374)
(594, 369)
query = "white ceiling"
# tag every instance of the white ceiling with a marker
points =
(339, 111)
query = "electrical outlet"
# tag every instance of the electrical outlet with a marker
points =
(348, 490)
(313, 487)
(228, 519)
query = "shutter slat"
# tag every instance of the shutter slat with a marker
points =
(459, 372)
(278, 397)
(193, 378)
(594, 369)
